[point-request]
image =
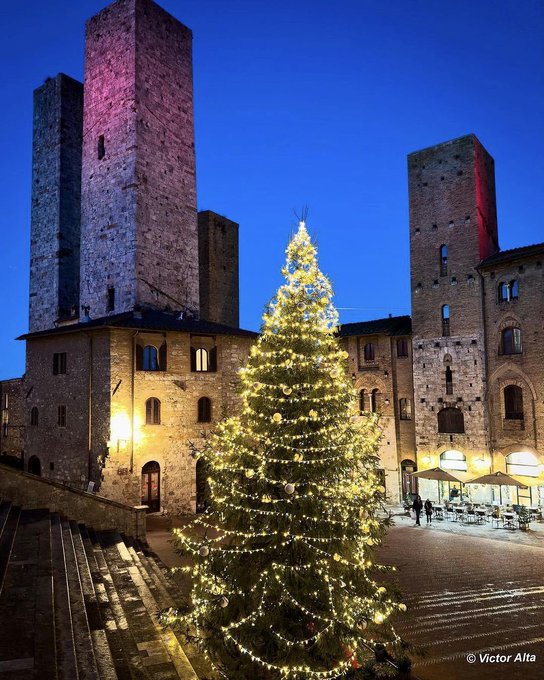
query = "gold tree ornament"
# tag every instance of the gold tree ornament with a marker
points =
(293, 508)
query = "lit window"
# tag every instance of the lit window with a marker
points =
(511, 341)
(451, 420)
(153, 411)
(522, 463)
(453, 460)
(405, 409)
(204, 410)
(513, 402)
(202, 362)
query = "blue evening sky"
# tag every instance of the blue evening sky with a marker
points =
(307, 102)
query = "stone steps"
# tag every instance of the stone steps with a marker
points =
(81, 605)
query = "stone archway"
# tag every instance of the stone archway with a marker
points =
(35, 466)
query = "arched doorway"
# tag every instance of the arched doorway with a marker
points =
(151, 486)
(409, 483)
(201, 484)
(34, 466)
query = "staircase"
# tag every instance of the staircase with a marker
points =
(76, 604)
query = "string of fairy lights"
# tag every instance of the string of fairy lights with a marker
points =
(284, 551)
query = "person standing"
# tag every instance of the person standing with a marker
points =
(429, 511)
(417, 506)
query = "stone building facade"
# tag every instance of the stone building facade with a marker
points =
(380, 362)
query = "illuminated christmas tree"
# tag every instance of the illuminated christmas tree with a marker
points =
(283, 574)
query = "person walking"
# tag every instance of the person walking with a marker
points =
(417, 506)
(429, 511)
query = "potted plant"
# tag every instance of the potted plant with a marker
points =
(524, 518)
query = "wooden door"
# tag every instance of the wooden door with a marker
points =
(151, 486)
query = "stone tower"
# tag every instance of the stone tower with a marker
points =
(218, 258)
(139, 236)
(56, 191)
(453, 226)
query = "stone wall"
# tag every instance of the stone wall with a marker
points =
(56, 193)
(95, 511)
(12, 418)
(218, 261)
(139, 222)
(526, 369)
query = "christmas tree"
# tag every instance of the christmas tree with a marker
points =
(282, 559)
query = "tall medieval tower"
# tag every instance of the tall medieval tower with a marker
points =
(453, 226)
(139, 234)
(56, 190)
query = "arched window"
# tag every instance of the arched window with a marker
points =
(402, 347)
(513, 402)
(511, 341)
(445, 313)
(369, 351)
(443, 260)
(153, 411)
(202, 359)
(451, 421)
(34, 416)
(374, 397)
(362, 401)
(508, 290)
(453, 460)
(522, 463)
(204, 410)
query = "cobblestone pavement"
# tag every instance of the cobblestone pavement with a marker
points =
(470, 594)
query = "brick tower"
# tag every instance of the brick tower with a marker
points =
(56, 191)
(453, 226)
(139, 236)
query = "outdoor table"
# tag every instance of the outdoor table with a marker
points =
(508, 520)
(438, 511)
(469, 516)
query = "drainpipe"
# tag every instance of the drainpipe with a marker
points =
(132, 361)
(90, 411)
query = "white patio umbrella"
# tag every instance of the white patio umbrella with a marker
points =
(499, 479)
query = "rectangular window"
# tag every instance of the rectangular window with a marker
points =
(59, 363)
(5, 401)
(111, 299)
(61, 416)
(101, 150)
(405, 409)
